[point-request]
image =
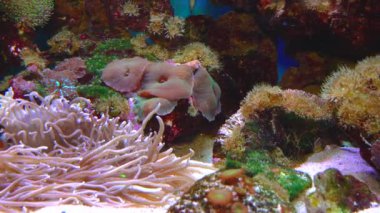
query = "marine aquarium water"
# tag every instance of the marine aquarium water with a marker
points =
(189, 106)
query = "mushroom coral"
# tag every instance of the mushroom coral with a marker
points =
(125, 75)
(206, 94)
(164, 83)
(172, 82)
(60, 153)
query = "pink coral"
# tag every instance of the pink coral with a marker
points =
(169, 81)
(164, 83)
(75, 65)
(206, 94)
(145, 106)
(125, 75)
(22, 86)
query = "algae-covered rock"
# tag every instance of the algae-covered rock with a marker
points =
(288, 183)
(339, 193)
(214, 194)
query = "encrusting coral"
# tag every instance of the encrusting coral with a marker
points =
(60, 153)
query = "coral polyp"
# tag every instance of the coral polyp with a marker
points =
(305, 105)
(130, 8)
(356, 93)
(174, 27)
(156, 23)
(32, 13)
(198, 51)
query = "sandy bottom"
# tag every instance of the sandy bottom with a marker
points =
(349, 162)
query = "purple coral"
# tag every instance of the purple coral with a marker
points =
(75, 65)
(21, 86)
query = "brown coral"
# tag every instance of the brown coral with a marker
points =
(198, 51)
(64, 42)
(32, 57)
(356, 92)
(306, 105)
(220, 197)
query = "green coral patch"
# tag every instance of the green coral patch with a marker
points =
(95, 91)
(260, 162)
(293, 181)
(115, 44)
(97, 62)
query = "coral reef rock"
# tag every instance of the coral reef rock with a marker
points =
(230, 191)
(339, 193)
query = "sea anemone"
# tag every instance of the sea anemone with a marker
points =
(130, 8)
(156, 23)
(198, 51)
(62, 154)
(174, 27)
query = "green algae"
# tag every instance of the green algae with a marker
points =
(98, 62)
(95, 91)
(260, 162)
(106, 52)
(115, 44)
(294, 182)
